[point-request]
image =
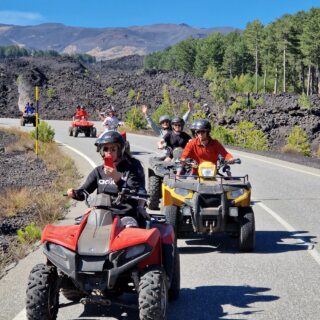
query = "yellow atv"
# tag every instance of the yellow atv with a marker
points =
(210, 202)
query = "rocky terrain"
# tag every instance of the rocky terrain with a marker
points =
(65, 83)
(18, 169)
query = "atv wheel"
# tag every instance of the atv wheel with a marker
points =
(42, 293)
(93, 132)
(171, 214)
(70, 131)
(127, 147)
(153, 294)
(247, 230)
(154, 192)
(75, 131)
(87, 134)
(174, 290)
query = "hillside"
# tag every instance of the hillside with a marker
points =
(103, 43)
(65, 83)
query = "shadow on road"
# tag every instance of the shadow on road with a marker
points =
(200, 303)
(267, 242)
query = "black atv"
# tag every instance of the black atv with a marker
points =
(28, 118)
(158, 168)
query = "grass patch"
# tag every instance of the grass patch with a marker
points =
(13, 200)
(46, 203)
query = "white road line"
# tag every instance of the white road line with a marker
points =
(78, 152)
(21, 316)
(278, 164)
(311, 249)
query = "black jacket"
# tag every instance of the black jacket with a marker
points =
(132, 177)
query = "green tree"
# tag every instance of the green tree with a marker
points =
(253, 37)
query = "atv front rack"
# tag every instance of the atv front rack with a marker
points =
(222, 183)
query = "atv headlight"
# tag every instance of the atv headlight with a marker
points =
(181, 192)
(236, 193)
(207, 172)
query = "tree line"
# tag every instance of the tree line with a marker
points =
(9, 52)
(282, 56)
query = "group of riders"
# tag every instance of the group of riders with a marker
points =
(127, 172)
(29, 108)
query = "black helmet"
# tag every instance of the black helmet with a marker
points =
(164, 118)
(201, 124)
(110, 137)
(177, 120)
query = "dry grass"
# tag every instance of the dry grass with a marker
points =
(14, 200)
(318, 152)
(23, 144)
(48, 204)
(290, 150)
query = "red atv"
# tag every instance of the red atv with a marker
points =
(103, 256)
(82, 126)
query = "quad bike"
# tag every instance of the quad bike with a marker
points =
(82, 126)
(210, 202)
(28, 118)
(104, 255)
(158, 168)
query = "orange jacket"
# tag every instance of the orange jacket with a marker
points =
(196, 151)
(81, 113)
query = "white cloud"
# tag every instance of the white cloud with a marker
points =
(20, 18)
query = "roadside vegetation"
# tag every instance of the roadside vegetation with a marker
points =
(282, 56)
(41, 205)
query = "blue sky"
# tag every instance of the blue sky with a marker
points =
(124, 13)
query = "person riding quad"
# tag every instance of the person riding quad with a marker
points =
(76, 114)
(110, 122)
(164, 121)
(82, 113)
(175, 138)
(29, 108)
(126, 172)
(203, 147)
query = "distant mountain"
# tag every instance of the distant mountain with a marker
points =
(103, 43)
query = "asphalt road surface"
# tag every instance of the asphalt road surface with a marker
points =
(280, 280)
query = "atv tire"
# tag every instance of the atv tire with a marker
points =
(247, 235)
(127, 147)
(70, 131)
(171, 214)
(87, 134)
(42, 293)
(75, 131)
(93, 132)
(154, 192)
(174, 290)
(153, 294)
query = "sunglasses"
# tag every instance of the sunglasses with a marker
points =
(166, 121)
(201, 131)
(176, 124)
(110, 149)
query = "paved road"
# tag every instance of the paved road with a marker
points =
(280, 280)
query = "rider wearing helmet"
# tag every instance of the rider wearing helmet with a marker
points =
(203, 147)
(164, 121)
(175, 138)
(110, 122)
(82, 113)
(126, 172)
